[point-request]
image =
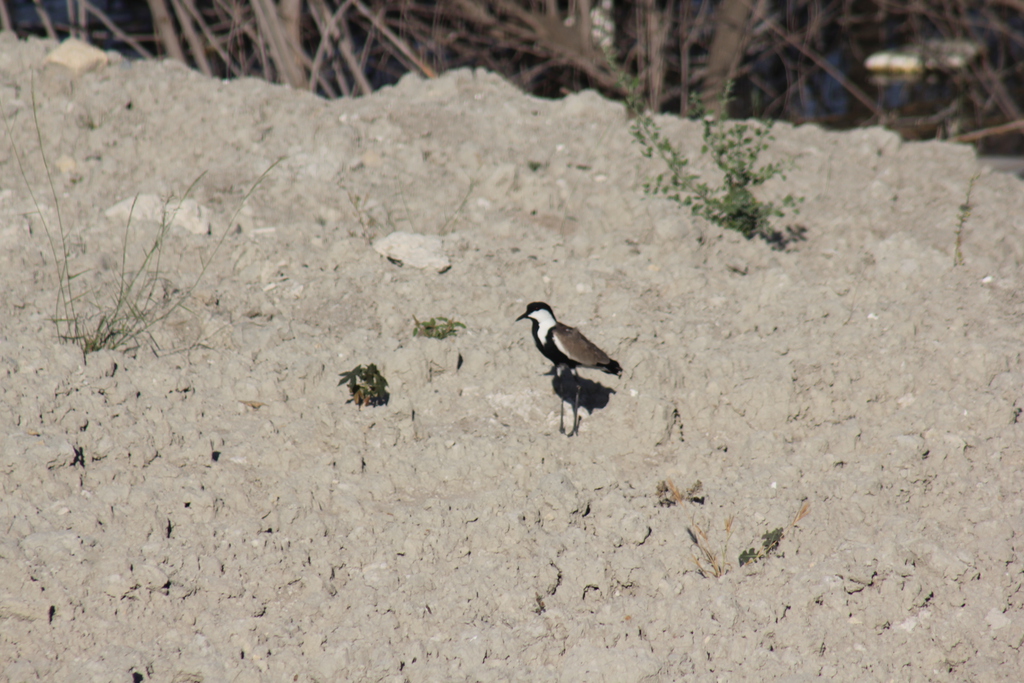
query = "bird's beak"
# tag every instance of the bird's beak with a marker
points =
(524, 315)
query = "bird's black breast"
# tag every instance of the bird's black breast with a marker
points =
(548, 348)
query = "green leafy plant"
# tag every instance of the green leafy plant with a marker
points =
(772, 539)
(367, 386)
(734, 147)
(127, 312)
(436, 328)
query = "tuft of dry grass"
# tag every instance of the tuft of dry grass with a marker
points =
(124, 314)
(961, 219)
(710, 559)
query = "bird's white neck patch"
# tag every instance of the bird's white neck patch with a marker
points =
(545, 321)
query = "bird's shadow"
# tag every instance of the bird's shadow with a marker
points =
(593, 395)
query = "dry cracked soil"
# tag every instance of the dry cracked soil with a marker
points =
(206, 504)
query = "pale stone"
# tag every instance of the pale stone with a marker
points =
(418, 251)
(996, 619)
(66, 164)
(188, 214)
(78, 56)
(371, 159)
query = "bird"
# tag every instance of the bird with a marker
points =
(568, 349)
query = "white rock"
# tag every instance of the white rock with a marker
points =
(116, 586)
(189, 214)
(371, 159)
(996, 619)
(142, 207)
(78, 56)
(150, 576)
(66, 164)
(418, 251)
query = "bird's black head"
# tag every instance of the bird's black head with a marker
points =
(533, 308)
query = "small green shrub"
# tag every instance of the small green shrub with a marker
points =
(771, 542)
(772, 539)
(734, 148)
(367, 386)
(436, 328)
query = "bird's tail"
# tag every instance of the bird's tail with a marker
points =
(612, 368)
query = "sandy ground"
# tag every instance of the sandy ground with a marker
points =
(209, 507)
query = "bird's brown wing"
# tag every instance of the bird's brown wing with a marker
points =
(573, 344)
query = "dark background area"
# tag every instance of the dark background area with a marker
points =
(797, 60)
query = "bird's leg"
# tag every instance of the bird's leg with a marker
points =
(561, 416)
(575, 405)
(561, 403)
